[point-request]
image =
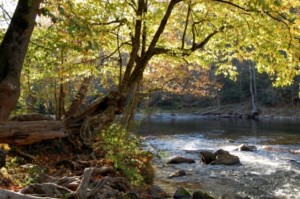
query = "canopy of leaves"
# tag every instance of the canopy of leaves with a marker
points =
(78, 38)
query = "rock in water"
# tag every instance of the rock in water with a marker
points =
(178, 160)
(177, 174)
(207, 157)
(221, 152)
(224, 157)
(201, 195)
(244, 147)
(182, 193)
(219, 157)
(156, 192)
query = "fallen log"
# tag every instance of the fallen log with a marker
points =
(28, 132)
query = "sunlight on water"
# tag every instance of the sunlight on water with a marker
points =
(288, 191)
(273, 171)
(262, 168)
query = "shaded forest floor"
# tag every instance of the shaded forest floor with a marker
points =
(52, 160)
(36, 163)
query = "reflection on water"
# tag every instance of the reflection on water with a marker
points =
(222, 128)
(271, 172)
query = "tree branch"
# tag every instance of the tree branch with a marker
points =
(233, 4)
(137, 73)
(110, 22)
(204, 42)
(2, 8)
(285, 24)
(135, 40)
(263, 12)
(186, 24)
(162, 26)
(186, 52)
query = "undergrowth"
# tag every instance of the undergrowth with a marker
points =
(123, 149)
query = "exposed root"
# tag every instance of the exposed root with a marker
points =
(106, 187)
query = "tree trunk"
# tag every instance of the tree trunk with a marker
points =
(77, 102)
(12, 53)
(128, 115)
(95, 118)
(61, 102)
(254, 112)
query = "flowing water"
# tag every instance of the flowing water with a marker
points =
(273, 171)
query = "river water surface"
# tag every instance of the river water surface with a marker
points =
(273, 171)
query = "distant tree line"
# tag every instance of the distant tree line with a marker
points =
(224, 91)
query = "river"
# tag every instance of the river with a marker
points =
(273, 171)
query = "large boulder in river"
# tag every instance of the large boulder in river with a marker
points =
(182, 193)
(207, 157)
(178, 160)
(219, 157)
(224, 157)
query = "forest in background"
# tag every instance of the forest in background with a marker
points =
(184, 91)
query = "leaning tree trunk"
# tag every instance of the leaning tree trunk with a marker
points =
(12, 53)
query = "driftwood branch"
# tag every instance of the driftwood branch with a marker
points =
(81, 190)
(210, 111)
(23, 133)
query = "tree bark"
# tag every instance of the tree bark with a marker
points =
(24, 133)
(95, 118)
(77, 102)
(12, 53)
(61, 102)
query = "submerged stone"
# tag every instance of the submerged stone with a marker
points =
(179, 160)
(177, 173)
(182, 193)
(201, 195)
(244, 147)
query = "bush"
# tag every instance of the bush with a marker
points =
(123, 149)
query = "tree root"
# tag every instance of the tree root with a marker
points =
(106, 187)
(24, 155)
(5, 194)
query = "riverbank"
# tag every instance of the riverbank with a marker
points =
(238, 111)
